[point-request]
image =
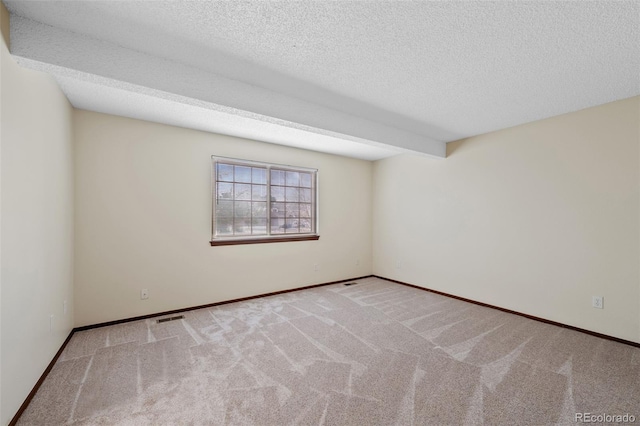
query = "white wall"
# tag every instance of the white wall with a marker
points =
(537, 218)
(143, 220)
(36, 230)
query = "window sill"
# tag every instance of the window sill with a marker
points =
(287, 239)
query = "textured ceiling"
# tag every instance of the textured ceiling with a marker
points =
(408, 75)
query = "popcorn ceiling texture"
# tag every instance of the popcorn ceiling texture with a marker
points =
(439, 71)
(375, 353)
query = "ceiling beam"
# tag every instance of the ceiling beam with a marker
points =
(67, 54)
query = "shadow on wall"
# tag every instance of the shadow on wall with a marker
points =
(452, 147)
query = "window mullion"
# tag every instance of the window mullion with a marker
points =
(269, 200)
(233, 202)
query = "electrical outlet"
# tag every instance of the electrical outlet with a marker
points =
(64, 307)
(598, 302)
(144, 294)
(398, 264)
(316, 267)
(357, 262)
(51, 322)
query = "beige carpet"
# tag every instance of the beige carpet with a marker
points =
(371, 353)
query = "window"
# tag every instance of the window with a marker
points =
(260, 203)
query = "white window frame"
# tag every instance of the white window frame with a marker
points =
(268, 237)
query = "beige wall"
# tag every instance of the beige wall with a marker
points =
(143, 220)
(36, 232)
(4, 30)
(537, 218)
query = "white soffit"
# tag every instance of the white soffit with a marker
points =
(409, 75)
(146, 104)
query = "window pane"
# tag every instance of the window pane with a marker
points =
(259, 226)
(225, 190)
(277, 193)
(225, 172)
(224, 226)
(292, 210)
(242, 227)
(292, 194)
(258, 175)
(259, 209)
(293, 179)
(305, 180)
(291, 226)
(305, 210)
(242, 210)
(242, 218)
(305, 225)
(277, 177)
(305, 195)
(276, 228)
(259, 192)
(243, 174)
(243, 191)
(224, 209)
(277, 222)
(277, 210)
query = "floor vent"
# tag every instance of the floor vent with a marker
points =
(177, 317)
(350, 283)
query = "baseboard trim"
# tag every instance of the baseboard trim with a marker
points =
(544, 320)
(210, 305)
(44, 375)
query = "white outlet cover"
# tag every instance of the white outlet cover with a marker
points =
(598, 302)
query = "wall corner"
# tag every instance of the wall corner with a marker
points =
(4, 24)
